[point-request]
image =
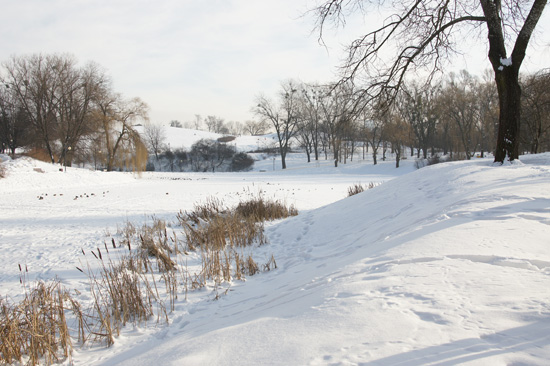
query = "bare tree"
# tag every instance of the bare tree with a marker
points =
(175, 123)
(56, 97)
(487, 101)
(283, 116)
(311, 111)
(536, 107)
(376, 131)
(14, 125)
(397, 131)
(116, 118)
(254, 128)
(420, 33)
(461, 107)
(215, 124)
(417, 107)
(34, 81)
(336, 112)
(77, 90)
(197, 122)
(155, 135)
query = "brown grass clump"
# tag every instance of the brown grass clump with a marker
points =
(358, 188)
(231, 230)
(213, 207)
(260, 209)
(2, 171)
(150, 241)
(221, 234)
(36, 328)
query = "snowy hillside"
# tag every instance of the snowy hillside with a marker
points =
(449, 264)
(183, 138)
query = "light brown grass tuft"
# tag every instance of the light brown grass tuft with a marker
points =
(36, 327)
(358, 188)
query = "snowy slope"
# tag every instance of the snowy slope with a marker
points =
(445, 265)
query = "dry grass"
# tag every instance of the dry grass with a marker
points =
(35, 329)
(139, 281)
(260, 209)
(2, 171)
(358, 188)
(221, 234)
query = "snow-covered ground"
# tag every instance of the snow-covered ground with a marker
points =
(449, 264)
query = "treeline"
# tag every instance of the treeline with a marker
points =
(219, 125)
(205, 155)
(64, 113)
(455, 117)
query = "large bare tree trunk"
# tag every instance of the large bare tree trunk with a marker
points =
(509, 95)
(507, 74)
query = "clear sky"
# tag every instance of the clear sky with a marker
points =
(187, 57)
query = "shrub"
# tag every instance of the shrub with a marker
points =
(2, 171)
(241, 162)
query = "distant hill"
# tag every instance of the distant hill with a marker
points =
(184, 138)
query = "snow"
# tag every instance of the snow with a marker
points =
(449, 264)
(506, 61)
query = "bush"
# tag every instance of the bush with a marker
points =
(241, 162)
(209, 155)
(2, 171)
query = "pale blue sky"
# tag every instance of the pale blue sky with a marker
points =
(187, 57)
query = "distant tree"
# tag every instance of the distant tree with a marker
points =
(422, 34)
(418, 108)
(376, 131)
(235, 128)
(397, 132)
(241, 162)
(175, 123)
(336, 107)
(56, 97)
(536, 107)
(181, 158)
(255, 128)
(462, 108)
(283, 116)
(171, 157)
(154, 136)
(215, 124)
(197, 123)
(310, 121)
(14, 124)
(116, 118)
(209, 155)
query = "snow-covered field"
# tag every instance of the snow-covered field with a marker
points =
(449, 264)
